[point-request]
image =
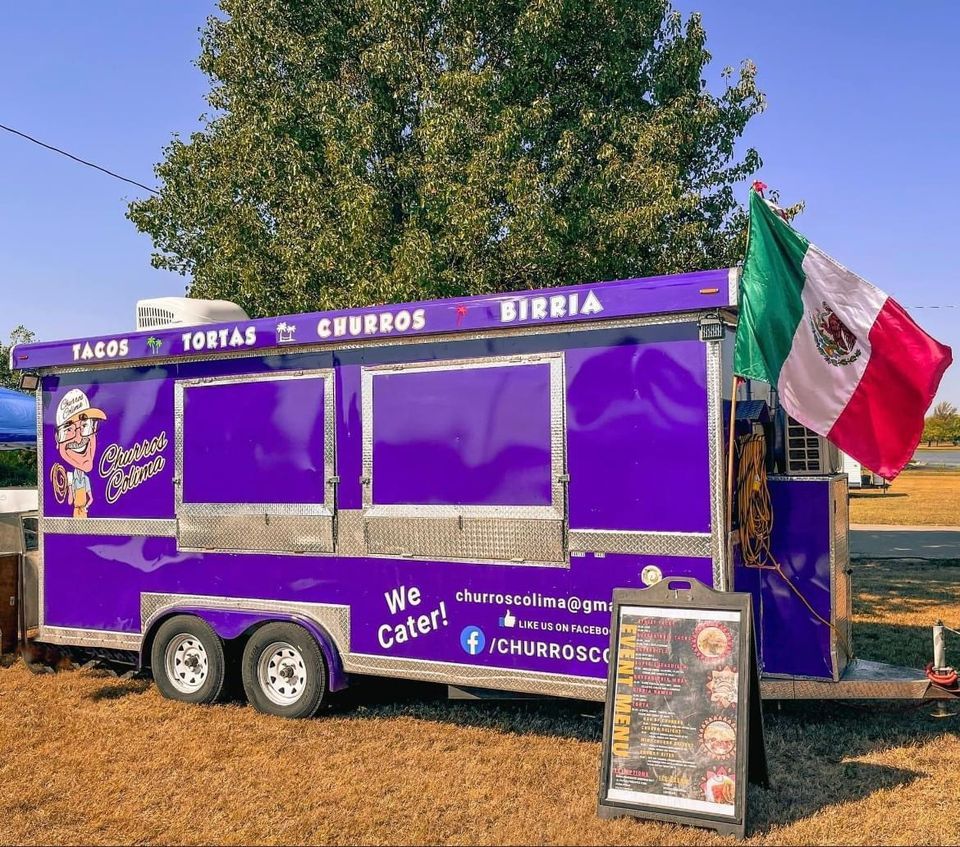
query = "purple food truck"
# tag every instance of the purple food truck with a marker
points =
(445, 491)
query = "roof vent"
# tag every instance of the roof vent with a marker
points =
(161, 312)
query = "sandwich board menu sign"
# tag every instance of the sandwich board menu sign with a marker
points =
(682, 732)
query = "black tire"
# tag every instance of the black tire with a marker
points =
(195, 641)
(294, 680)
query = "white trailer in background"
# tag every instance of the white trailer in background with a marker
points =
(858, 475)
(853, 469)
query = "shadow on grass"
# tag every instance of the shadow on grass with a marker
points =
(794, 796)
(894, 644)
(811, 747)
(892, 587)
(393, 698)
(874, 495)
(120, 689)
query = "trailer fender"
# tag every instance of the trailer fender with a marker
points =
(230, 624)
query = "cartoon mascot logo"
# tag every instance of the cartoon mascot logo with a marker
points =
(836, 343)
(77, 425)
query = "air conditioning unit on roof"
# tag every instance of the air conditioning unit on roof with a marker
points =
(162, 312)
(809, 454)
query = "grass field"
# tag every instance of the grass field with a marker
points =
(927, 497)
(88, 758)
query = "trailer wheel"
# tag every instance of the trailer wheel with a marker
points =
(187, 660)
(284, 672)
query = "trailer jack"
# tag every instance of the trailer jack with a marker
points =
(940, 673)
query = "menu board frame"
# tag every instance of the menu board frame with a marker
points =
(672, 598)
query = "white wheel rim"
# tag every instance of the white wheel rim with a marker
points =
(187, 663)
(282, 673)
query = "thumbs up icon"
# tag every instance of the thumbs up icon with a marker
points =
(508, 620)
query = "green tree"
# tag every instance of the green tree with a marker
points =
(943, 424)
(17, 467)
(19, 335)
(370, 151)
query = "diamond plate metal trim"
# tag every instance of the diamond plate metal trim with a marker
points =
(534, 541)
(722, 577)
(733, 285)
(41, 474)
(333, 619)
(643, 543)
(436, 511)
(109, 526)
(508, 533)
(863, 680)
(503, 679)
(73, 637)
(351, 537)
(841, 594)
(280, 528)
(256, 533)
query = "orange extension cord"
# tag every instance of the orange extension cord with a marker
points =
(756, 521)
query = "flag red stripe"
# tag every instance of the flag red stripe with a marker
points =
(882, 423)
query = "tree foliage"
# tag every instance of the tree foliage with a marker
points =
(369, 151)
(943, 424)
(19, 335)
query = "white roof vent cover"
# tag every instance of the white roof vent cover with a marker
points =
(161, 312)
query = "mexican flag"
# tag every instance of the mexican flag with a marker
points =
(847, 361)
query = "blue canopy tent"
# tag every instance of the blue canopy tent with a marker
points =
(18, 420)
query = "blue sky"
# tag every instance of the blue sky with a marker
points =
(862, 123)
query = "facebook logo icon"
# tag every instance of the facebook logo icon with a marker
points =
(472, 640)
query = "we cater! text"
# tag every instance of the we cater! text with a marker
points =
(415, 625)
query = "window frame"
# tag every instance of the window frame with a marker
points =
(33, 531)
(295, 527)
(407, 521)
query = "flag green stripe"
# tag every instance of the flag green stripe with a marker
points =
(770, 286)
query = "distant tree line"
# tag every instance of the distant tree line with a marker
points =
(943, 426)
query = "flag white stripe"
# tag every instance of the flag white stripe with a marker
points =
(813, 390)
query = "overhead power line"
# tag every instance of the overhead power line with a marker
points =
(78, 159)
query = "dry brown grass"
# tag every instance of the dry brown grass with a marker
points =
(87, 758)
(927, 497)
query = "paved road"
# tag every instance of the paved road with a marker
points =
(905, 542)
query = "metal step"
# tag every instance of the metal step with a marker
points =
(862, 680)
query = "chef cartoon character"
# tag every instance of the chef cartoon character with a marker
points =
(77, 425)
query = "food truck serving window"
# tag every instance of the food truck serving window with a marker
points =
(465, 459)
(255, 462)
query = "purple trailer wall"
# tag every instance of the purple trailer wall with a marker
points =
(138, 411)
(542, 620)
(634, 410)
(809, 542)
